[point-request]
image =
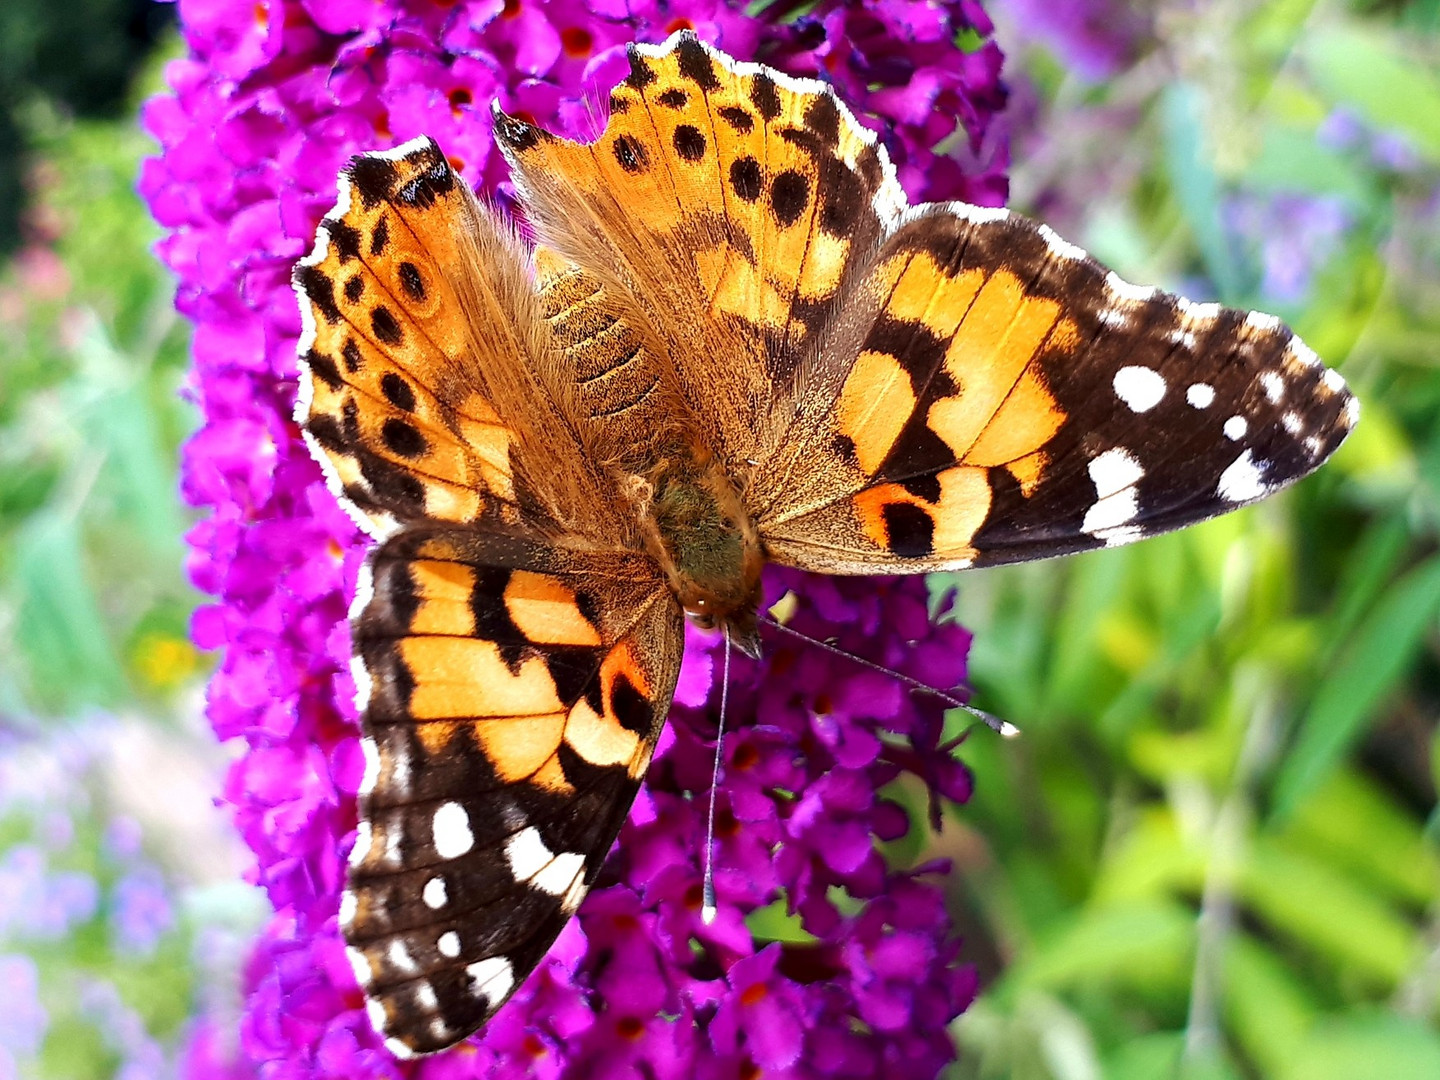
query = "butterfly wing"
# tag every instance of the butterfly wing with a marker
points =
(1009, 398)
(727, 198)
(421, 337)
(513, 693)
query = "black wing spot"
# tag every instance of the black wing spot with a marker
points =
(789, 195)
(380, 236)
(351, 352)
(673, 99)
(355, 288)
(689, 143)
(321, 291)
(631, 708)
(926, 486)
(630, 154)
(641, 74)
(387, 330)
(841, 198)
(393, 486)
(765, 96)
(619, 103)
(746, 178)
(823, 118)
(516, 134)
(345, 237)
(397, 391)
(323, 368)
(910, 529)
(403, 438)
(374, 178)
(429, 187)
(695, 62)
(738, 119)
(412, 282)
(327, 433)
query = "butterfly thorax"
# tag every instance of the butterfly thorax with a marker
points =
(695, 526)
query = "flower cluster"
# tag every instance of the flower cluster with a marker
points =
(823, 961)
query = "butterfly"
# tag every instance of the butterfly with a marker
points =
(734, 343)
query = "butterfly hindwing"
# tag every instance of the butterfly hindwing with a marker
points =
(1012, 399)
(513, 693)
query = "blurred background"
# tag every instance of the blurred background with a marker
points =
(1213, 853)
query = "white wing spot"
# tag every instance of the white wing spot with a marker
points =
(1292, 423)
(1114, 474)
(448, 944)
(1241, 482)
(1200, 395)
(1260, 321)
(1059, 246)
(527, 853)
(1123, 290)
(1235, 428)
(494, 978)
(1313, 445)
(434, 893)
(1302, 353)
(359, 965)
(395, 1046)
(1114, 317)
(349, 906)
(557, 878)
(1332, 380)
(1141, 388)
(424, 996)
(371, 753)
(1181, 336)
(376, 1013)
(399, 957)
(363, 683)
(363, 840)
(450, 829)
(1352, 411)
(1273, 385)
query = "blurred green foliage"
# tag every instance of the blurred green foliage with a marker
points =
(1213, 851)
(93, 603)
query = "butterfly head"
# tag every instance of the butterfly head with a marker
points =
(739, 624)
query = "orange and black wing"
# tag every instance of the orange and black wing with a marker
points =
(513, 693)
(422, 335)
(1008, 398)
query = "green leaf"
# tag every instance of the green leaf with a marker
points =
(1375, 1047)
(1144, 944)
(1378, 657)
(1310, 901)
(1374, 73)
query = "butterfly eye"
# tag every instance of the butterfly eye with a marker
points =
(699, 612)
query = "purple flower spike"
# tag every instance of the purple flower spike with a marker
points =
(268, 104)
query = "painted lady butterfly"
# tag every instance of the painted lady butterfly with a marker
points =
(736, 343)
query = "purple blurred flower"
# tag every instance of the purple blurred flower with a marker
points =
(1298, 235)
(140, 910)
(23, 1019)
(1093, 38)
(269, 103)
(39, 903)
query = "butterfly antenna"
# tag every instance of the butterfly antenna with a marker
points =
(994, 723)
(707, 900)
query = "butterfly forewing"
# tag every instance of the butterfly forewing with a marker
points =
(1012, 399)
(513, 693)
